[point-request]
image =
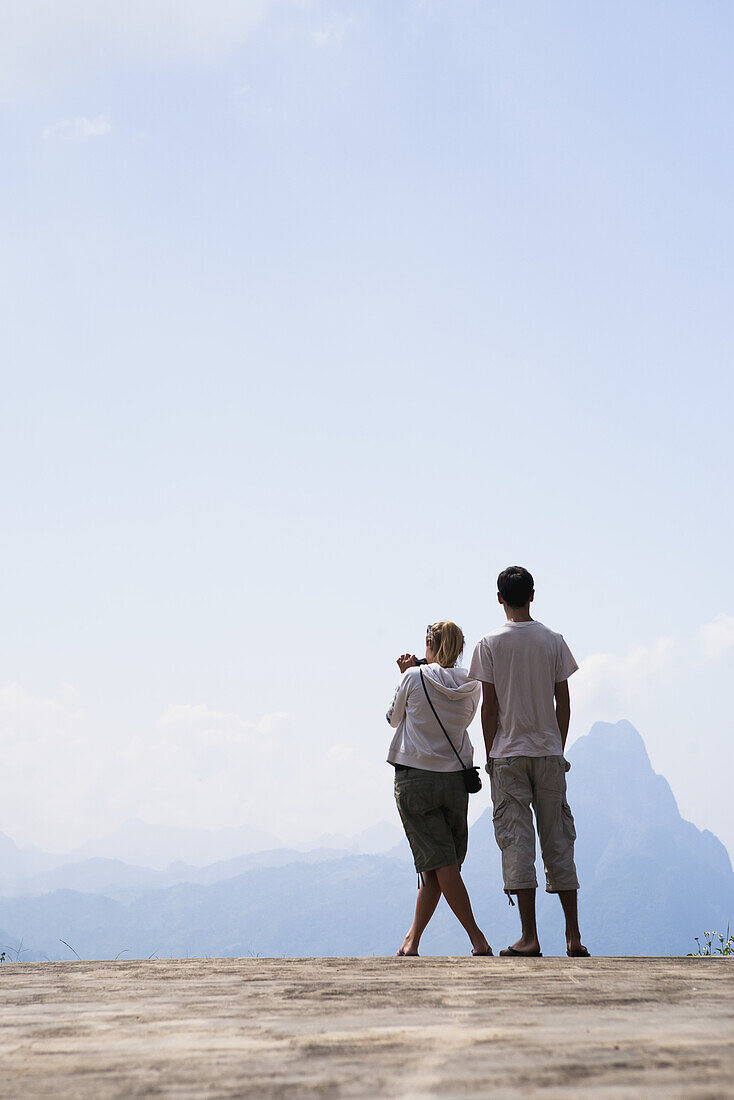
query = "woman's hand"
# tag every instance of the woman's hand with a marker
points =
(406, 661)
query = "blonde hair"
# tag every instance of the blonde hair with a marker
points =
(447, 642)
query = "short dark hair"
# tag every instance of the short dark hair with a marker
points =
(515, 585)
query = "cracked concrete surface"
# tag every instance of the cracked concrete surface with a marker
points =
(397, 1028)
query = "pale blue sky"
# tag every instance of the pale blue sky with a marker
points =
(317, 314)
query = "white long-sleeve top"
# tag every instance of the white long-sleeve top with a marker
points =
(419, 741)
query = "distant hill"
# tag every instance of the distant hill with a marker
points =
(157, 846)
(139, 855)
(650, 882)
(376, 839)
(135, 845)
(18, 863)
(124, 881)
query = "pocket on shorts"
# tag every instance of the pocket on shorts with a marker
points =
(569, 827)
(553, 774)
(416, 797)
(502, 825)
(505, 782)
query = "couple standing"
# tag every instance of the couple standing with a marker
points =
(520, 672)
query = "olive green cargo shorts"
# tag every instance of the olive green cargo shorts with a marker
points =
(433, 808)
(519, 782)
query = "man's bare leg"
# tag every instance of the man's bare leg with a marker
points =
(569, 901)
(425, 906)
(453, 889)
(528, 943)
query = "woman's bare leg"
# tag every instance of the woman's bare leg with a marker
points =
(453, 889)
(425, 906)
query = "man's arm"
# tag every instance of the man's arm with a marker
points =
(490, 713)
(563, 709)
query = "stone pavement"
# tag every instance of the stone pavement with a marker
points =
(299, 1028)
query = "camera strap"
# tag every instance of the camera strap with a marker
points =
(428, 697)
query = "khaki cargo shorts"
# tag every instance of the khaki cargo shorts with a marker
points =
(519, 782)
(433, 808)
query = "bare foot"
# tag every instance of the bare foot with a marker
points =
(576, 950)
(408, 947)
(481, 947)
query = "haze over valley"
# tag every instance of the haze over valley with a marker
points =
(651, 881)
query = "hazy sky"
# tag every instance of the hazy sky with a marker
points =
(316, 314)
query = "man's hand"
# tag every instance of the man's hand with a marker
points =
(406, 661)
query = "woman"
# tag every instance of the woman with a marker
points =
(429, 781)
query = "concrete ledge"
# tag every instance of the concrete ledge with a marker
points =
(369, 1028)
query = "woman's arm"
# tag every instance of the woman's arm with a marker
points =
(396, 710)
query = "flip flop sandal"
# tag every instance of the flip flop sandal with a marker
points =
(483, 954)
(578, 953)
(404, 954)
(510, 952)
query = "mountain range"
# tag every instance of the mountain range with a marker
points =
(140, 855)
(651, 881)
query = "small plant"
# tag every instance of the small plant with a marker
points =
(8, 950)
(707, 948)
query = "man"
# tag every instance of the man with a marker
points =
(524, 668)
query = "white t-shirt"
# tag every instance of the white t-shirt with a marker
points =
(419, 741)
(524, 661)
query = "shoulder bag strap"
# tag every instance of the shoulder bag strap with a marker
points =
(428, 697)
